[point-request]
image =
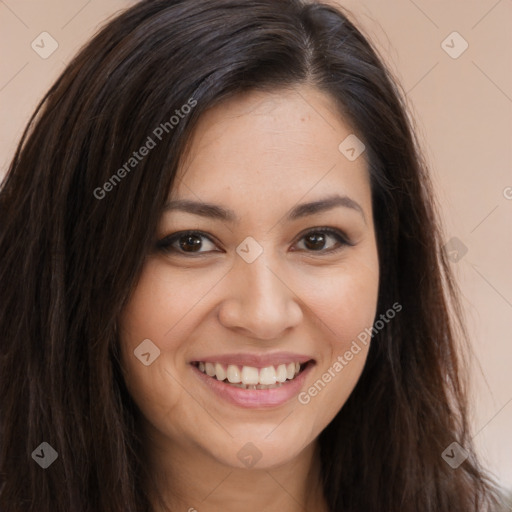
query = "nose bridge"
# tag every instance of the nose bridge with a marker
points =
(258, 300)
(262, 291)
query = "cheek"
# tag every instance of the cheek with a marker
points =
(343, 298)
(164, 307)
(149, 315)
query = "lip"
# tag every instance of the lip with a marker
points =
(256, 398)
(255, 360)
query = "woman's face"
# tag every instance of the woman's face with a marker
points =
(263, 286)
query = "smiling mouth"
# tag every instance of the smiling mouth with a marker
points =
(250, 377)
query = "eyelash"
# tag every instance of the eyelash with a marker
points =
(165, 244)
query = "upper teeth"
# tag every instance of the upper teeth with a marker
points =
(250, 374)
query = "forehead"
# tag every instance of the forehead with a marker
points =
(261, 143)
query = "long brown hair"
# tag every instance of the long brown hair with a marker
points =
(70, 256)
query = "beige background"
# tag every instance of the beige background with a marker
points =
(463, 108)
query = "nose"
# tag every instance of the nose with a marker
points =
(258, 302)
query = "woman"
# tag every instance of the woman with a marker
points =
(222, 278)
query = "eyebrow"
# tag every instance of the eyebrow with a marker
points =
(217, 212)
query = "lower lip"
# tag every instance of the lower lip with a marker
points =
(256, 398)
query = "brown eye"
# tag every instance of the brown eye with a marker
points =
(189, 243)
(316, 240)
(185, 242)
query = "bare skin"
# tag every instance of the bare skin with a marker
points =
(260, 155)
